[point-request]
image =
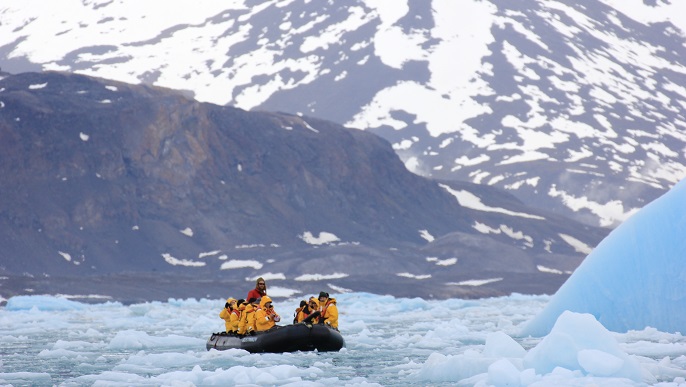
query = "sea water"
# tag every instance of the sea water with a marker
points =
(389, 341)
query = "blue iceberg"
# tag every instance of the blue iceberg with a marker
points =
(635, 278)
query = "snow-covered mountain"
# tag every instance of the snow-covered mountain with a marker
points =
(576, 107)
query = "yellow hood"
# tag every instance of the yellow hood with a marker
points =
(264, 300)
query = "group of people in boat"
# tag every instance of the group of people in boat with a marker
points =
(256, 312)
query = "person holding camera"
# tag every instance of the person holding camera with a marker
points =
(265, 316)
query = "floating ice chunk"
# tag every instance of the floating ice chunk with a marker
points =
(45, 303)
(575, 341)
(503, 373)
(132, 339)
(599, 363)
(499, 344)
(442, 368)
(84, 136)
(61, 353)
(26, 378)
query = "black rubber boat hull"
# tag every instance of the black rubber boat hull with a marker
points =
(289, 338)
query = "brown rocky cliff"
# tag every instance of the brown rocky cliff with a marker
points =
(109, 173)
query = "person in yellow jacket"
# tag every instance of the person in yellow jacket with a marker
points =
(328, 310)
(314, 306)
(225, 314)
(249, 311)
(265, 316)
(245, 309)
(235, 316)
(299, 314)
(310, 307)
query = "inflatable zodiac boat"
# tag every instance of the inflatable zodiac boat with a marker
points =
(289, 338)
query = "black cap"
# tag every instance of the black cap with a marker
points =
(323, 294)
(239, 302)
(303, 303)
(251, 300)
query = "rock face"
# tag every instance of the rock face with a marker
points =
(101, 178)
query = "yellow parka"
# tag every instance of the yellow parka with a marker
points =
(249, 314)
(301, 315)
(235, 317)
(329, 312)
(243, 321)
(225, 314)
(265, 318)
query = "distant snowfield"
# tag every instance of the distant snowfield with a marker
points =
(673, 11)
(214, 50)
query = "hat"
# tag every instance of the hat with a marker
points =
(303, 303)
(323, 294)
(230, 300)
(239, 302)
(251, 300)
